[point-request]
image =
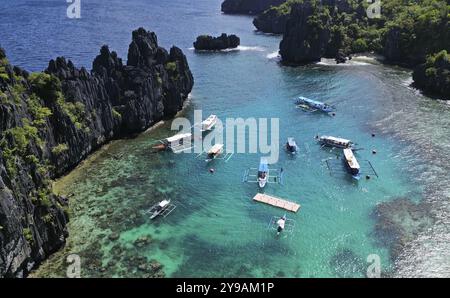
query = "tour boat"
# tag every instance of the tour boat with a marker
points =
(176, 143)
(351, 162)
(314, 104)
(291, 146)
(159, 208)
(209, 123)
(335, 142)
(263, 172)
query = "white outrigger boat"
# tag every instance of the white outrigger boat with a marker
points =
(351, 163)
(215, 152)
(313, 105)
(291, 145)
(177, 143)
(331, 141)
(209, 123)
(263, 172)
(162, 208)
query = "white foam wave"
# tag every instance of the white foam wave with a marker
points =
(273, 55)
(332, 62)
(239, 48)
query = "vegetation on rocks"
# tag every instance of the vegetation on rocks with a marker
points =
(51, 120)
(406, 31)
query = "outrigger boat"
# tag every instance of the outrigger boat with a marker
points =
(162, 208)
(214, 152)
(263, 172)
(177, 143)
(351, 163)
(261, 175)
(335, 142)
(313, 105)
(291, 146)
(209, 123)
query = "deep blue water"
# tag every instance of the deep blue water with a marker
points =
(217, 230)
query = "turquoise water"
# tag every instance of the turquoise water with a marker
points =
(216, 229)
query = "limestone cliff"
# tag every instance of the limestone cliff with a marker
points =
(51, 121)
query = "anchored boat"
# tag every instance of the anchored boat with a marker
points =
(291, 146)
(335, 142)
(162, 208)
(176, 143)
(313, 105)
(209, 123)
(263, 172)
(351, 162)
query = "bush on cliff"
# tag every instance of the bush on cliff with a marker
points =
(434, 75)
(46, 86)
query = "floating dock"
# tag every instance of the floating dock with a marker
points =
(277, 202)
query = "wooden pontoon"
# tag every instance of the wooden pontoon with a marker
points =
(277, 202)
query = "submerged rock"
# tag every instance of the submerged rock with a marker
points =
(222, 42)
(346, 263)
(400, 221)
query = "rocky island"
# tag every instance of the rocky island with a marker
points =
(335, 29)
(222, 42)
(51, 121)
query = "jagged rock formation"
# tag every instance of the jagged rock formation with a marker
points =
(248, 6)
(50, 121)
(304, 41)
(222, 42)
(404, 34)
(272, 20)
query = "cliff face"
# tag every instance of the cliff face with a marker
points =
(50, 121)
(434, 75)
(305, 40)
(272, 20)
(248, 6)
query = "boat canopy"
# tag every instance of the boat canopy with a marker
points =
(311, 101)
(336, 140)
(291, 142)
(351, 159)
(178, 137)
(263, 165)
(210, 120)
(164, 203)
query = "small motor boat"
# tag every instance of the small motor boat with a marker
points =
(291, 146)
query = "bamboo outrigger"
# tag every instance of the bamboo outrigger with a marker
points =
(277, 202)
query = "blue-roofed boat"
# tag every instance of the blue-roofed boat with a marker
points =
(263, 172)
(314, 105)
